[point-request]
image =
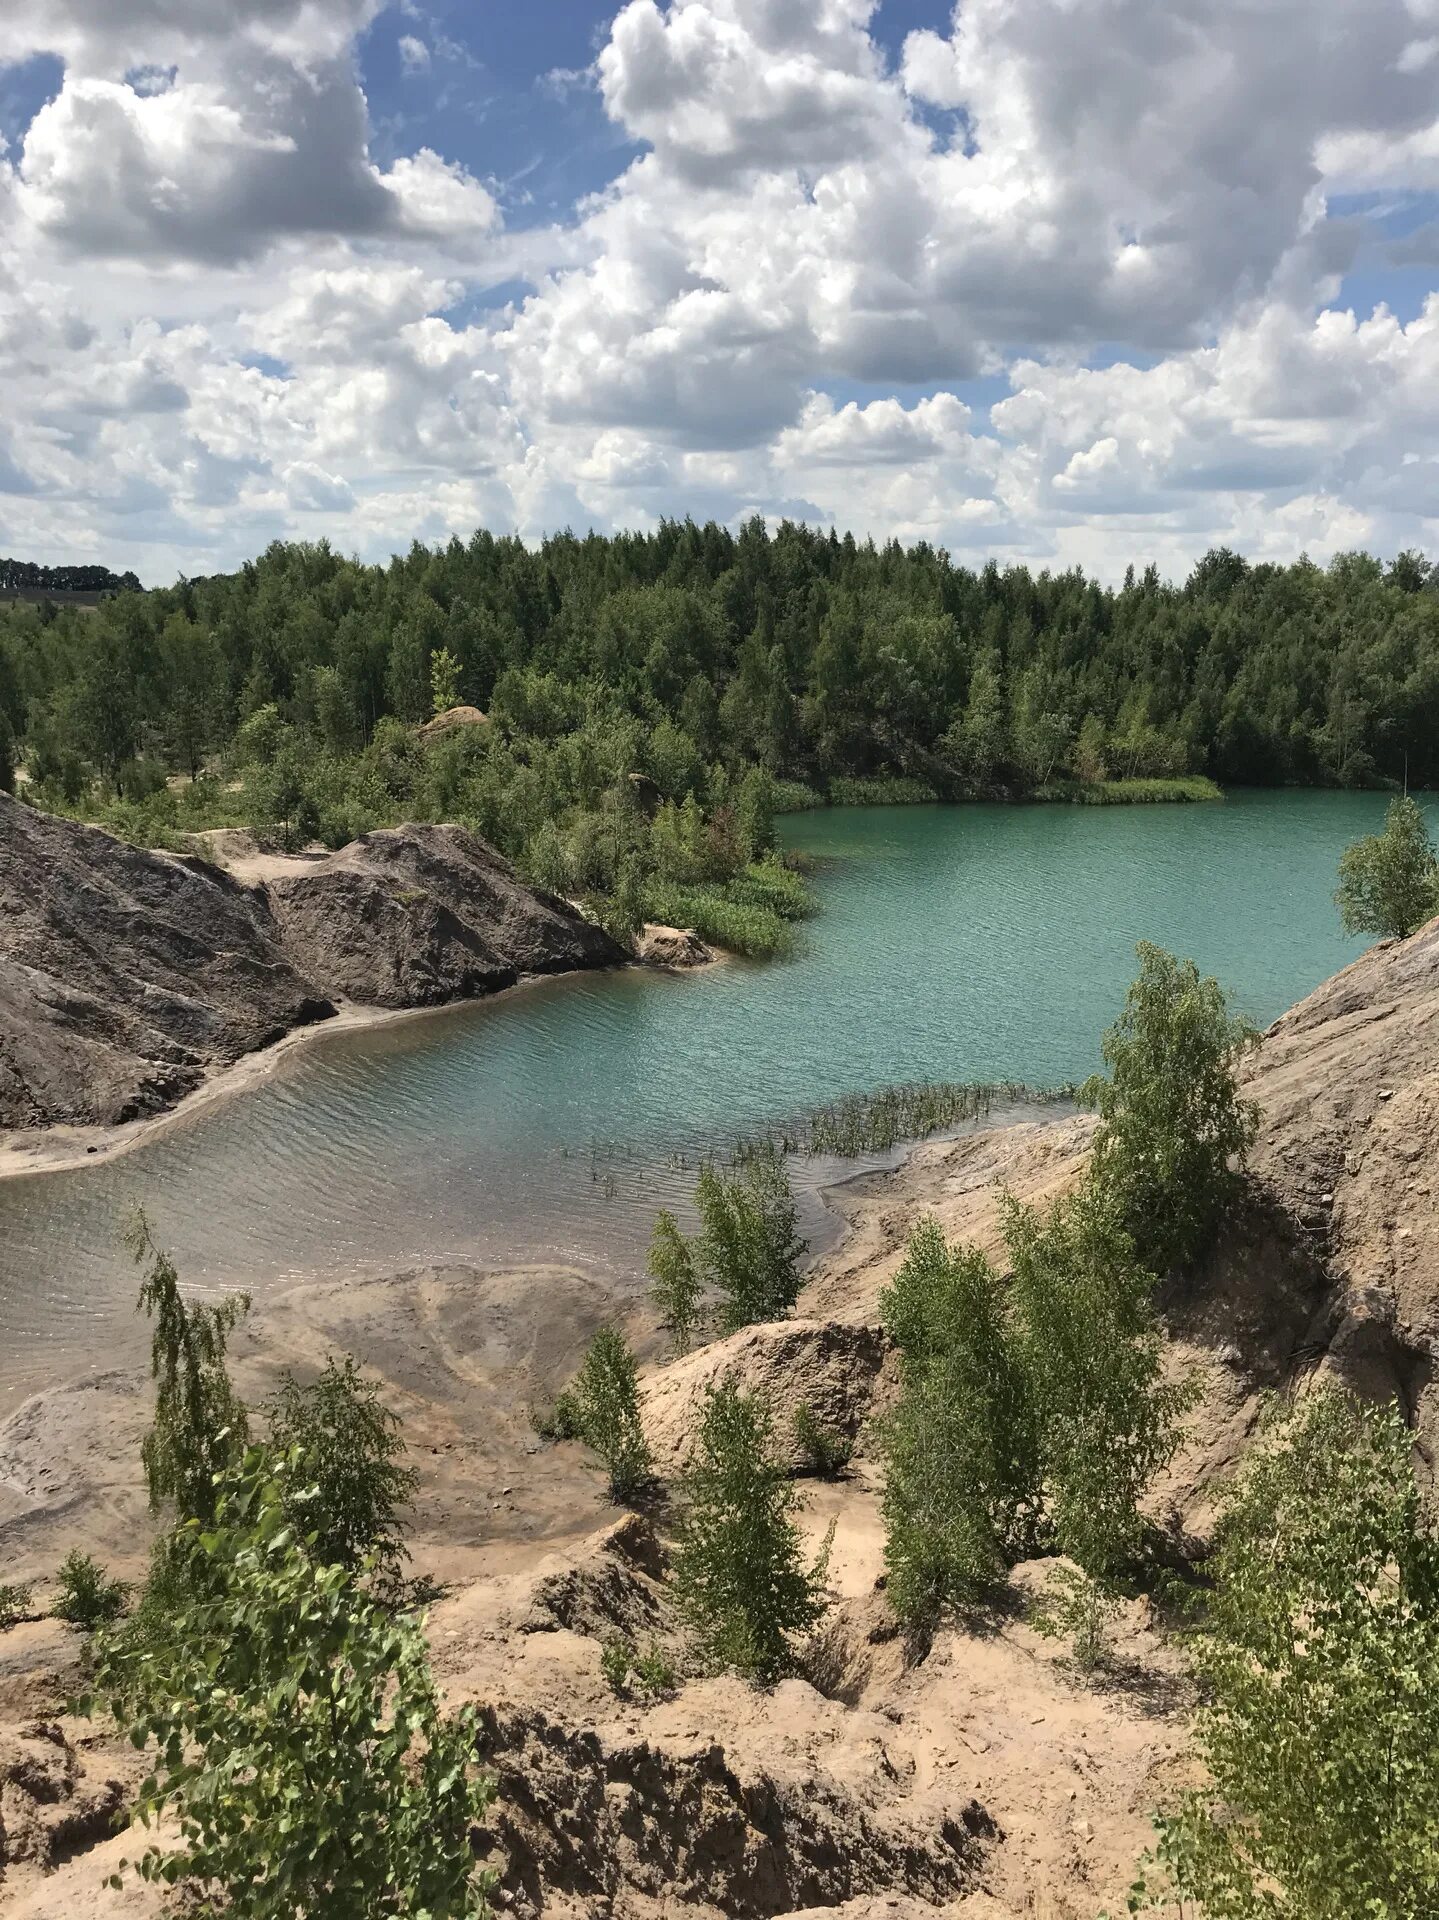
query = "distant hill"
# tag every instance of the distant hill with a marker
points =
(26, 580)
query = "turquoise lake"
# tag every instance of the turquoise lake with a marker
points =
(966, 943)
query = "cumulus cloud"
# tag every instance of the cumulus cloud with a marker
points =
(811, 228)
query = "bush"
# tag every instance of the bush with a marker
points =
(827, 1451)
(756, 932)
(604, 1406)
(1320, 1728)
(1172, 1121)
(748, 1247)
(675, 1286)
(1389, 882)
(200, 1423)
(649, 1675)
(883, 790)
(353, 1455)
(1028, 1420)
(14, 1605)
(299, 1744)
(739, 1575)
(1076, 1607)
(88, 1598)
(962, 1482)
(1087, 1341)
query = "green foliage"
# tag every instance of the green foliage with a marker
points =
(444, 680)
(743, 672)
(200, 1424)
(648, 1675)
(1172, 1120)
(87, 1597)
(826, 1450)
(603, 1408)
(748, 1248)
(1087, 1341)
(740, 1577)
(890, 790)
(962, 1473)
(353, 1454)
(14, 1605)
(1028, 1418)
(1186, 790)
(1077, 1607)
(1320, 1728)
(675, 1287)
(7, 754)
(298, 1740)
(1389, 882)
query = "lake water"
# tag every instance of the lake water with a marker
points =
(969, 943)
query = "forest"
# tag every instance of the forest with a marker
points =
(651, 698)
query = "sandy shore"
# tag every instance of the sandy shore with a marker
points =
(63, 1149)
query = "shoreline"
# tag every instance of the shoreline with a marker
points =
(69, 1148)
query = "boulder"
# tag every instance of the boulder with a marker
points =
(417, 916)
(672, 947)
(450, 719)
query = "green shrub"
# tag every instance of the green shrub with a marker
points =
(1077, 1607)
(962, 1477)
(200, 1423)
(882, 790)
(826, 1450)
(740, 1577)
(1389, 881)
(1182, 789)
(1319, 1733)
(14, 1605)
(561, 1421)
(87, 1597)
(1173, 1126)
(1088, 1345)
(605, 1409)
(353, 1454)
(748, 1247)
(756, 932)
(1029, 1418)
(675, 1285)
(793, 796)
(299, 1745)
(649, 1675)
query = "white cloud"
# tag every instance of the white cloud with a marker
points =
(271, 339)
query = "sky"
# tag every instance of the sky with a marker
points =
(1060, 281)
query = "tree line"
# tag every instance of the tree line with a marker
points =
(671, 665)
(27, 576)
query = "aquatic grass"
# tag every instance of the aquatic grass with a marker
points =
(1185, 789)
(751, 915)
(793, 796)
(882, 790)
(861, 1123)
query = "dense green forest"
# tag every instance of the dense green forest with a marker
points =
(731, 672)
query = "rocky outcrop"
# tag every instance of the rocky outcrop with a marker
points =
(451, 719)
(630, 1824)
(1348, 1088)
(417, 916)
(126, 976)
(672, 947)
(830, 1366)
